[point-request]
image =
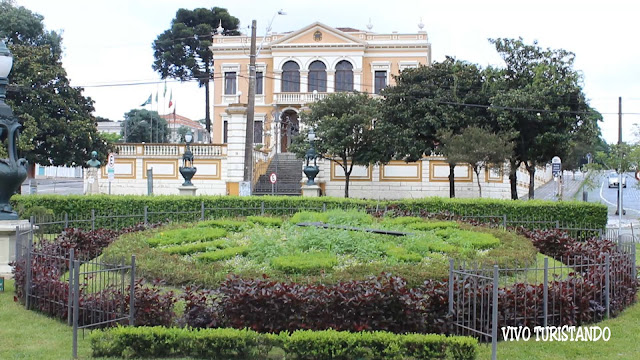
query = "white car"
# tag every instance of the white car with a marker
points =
(613, 180)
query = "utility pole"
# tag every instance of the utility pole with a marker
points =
(251, 101)
(620, 208)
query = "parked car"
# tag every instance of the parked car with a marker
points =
(613, 180)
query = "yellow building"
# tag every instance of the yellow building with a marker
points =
(299, 67)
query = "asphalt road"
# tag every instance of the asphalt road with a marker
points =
(55, 186)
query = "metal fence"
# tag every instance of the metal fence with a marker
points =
(568, 291)
(70, 285)
(478, 305)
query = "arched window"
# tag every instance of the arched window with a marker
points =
(290, 77)
(317, 76)
(344, 76)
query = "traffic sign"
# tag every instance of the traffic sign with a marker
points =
(111, 161)
(556, 166)
(111, 167)
(273, 178)
(638, 175)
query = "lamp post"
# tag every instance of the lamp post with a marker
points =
(188, 170)
(311, 171)
(13, 170)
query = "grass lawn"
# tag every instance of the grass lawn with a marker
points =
(29, 335)
(622, 345)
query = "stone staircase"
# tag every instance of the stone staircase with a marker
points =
(289, 172)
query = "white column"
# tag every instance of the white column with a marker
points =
(277, 81)
(331, 80)
(304, 81)
(235, 145)
(357, 80)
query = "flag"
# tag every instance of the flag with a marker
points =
(171, 98)
(148, 102)
(174, 113)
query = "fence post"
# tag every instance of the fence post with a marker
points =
(324, 207)
(262, 208)
(633, 261)
(132, 298)
(66, 220)
(202, 211)
(27, 290)
(606, 282)
(545, 292)
(557, 224)
(18, 242)
(71, 294)
(494, 316)
(504, 221)
(150, 181)
(76, 306)
(146, 215)
(450, 286)
(93, 219)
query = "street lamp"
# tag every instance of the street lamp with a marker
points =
(187, 170)
(13, 171)
(311, 171)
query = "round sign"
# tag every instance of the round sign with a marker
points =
(638, 175)
(111, 160)
(273, 178)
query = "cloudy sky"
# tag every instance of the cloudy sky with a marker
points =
(109, 42)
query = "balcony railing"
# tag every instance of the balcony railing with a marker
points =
(297, 98)
(172, 150)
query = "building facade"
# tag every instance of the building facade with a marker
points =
(293, 70)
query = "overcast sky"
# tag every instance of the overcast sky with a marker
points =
(109, 42)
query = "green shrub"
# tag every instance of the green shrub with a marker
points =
(265, 221)
(308, 216)
(402, 220)
(469, 239)
(182, 236)
(160, 207)
(348, 218)
(225, 343)
(305, 263)
(223, 254)
(403, 254)
(424, 244)
(195, 247)
(227, 224)
(433, 225)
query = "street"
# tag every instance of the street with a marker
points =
(62, 186)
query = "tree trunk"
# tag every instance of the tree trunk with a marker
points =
(513, 179)
(346, 183)
(452, 181)
(207, 116)
(477, 171)
(532, 180)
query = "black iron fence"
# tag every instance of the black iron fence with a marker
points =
(75, 287)
(571, 291)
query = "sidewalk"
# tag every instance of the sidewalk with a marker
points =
(570, 188)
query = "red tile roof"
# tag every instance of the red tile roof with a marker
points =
(180, 120)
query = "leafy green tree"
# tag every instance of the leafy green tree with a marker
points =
(182, 131)
(343, 124)
(478, 147)
(139, 127)
(59, 128)
(429, 99)
(183, 51)
(111, 137)
(539, 96)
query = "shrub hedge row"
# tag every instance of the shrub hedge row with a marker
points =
(160, 207)
(225, 343)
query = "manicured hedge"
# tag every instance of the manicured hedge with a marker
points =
(224, 343)
(161, 207)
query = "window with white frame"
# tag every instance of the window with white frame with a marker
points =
(257, 131)
(230, 80)
(291, 77)
(344, 76)
(380, 81)
(317, 76)
(259, 83)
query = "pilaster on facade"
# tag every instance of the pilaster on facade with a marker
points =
(304, 81)
(237, 125)
(331, 80)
